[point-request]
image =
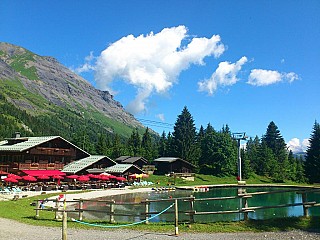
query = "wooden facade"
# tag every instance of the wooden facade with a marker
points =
(37, 153)
(167, 165)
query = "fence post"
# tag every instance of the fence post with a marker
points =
(64, 221)
(192, 209)
(56, 215)
(176, 214)
(112, 211)
(37, 208)
(147, 210)
(246, 206)
(305, 208)
(80, 209)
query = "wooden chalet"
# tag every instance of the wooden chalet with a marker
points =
(165, 165)
(137, 161)
(92, 162)
(37, 153)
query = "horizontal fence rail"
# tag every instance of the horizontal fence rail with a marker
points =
(77, 205)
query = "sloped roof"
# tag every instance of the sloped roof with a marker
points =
(30, 142)
(171, 160)
(83, 163)
(25, 145)
(134, 159)
(120, 168)
(121, 158)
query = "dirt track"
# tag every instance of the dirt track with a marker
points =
(17, 231)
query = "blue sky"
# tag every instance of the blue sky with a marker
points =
(241, 63)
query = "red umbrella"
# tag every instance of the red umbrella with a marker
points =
(97, 176)
(73, 176)
(13, 180)
(57, 177)
(121, 179)
(43, 177)
(83, 179)
(112, 177)
(104, 177)
(29, 178)
(11, 175)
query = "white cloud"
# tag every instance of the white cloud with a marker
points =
(161, 117)
(296, 146)
(261, 77)
(225, 75)
(152, 62)
(87, 66)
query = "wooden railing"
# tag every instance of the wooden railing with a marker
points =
(245, 209)
(53, 151)
(40, 166)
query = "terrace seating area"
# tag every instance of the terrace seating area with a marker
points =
(14, 184)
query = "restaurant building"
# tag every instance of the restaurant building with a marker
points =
(19, 154)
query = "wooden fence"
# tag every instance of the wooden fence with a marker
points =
(242, 195)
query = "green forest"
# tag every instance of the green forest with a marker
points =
(213, 152)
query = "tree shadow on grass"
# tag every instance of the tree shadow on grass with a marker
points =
(286, 224)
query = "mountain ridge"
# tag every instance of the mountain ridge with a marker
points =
(36, 84)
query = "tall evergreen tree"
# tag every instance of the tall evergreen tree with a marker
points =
(163, 145)
(101, 145)
(117, 150)
(312, 164)
(292, 174)
(170, 147)
(208, 143)
(300, 170)
(275, 142)
(184, 137)
(134, 143)
(252, 153)
(147, 146)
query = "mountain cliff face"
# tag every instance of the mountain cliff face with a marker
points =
(38, 84)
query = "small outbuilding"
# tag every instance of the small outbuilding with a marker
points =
(165, 165)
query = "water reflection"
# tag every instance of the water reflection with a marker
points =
(202, 206)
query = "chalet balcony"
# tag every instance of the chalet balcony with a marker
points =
(40, 166)
(53, 151)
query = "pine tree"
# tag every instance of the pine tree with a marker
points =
(147, 146)
(275, 142)
(184, 138)
(162, 145)
(312, 164)
(247, 170)
(207, 149)
(252, 153)
(116, 147)
(300, 170)
(134, 144)
(101, 145)
(170, 147)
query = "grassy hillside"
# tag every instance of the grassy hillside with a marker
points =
(43, 118)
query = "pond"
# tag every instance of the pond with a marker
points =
(204, 206)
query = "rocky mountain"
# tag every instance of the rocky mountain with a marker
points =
(42, 86)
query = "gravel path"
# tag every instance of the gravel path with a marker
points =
(13, 230)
